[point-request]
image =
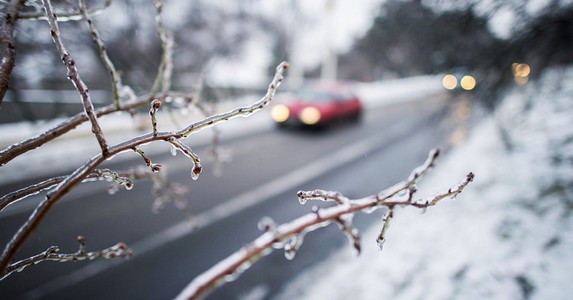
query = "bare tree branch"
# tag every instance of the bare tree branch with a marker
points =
(74, 77)
(7, 47)
(289, 236)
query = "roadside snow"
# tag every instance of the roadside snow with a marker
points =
(508, 236)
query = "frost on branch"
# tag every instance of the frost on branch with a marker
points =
(290, 236)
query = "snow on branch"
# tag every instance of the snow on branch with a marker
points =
(289, 236)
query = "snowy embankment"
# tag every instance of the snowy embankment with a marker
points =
(508, 236)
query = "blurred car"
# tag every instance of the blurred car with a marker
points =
(318, 106)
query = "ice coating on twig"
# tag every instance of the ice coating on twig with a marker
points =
(119, 250)
(188, 152)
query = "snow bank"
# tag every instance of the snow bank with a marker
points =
(508, 236)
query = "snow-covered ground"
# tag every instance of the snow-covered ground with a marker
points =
(508, 236)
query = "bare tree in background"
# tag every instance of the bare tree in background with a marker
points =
(288, 236)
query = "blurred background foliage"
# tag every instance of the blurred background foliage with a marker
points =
(406, 38)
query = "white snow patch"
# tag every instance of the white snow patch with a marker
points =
(508, 236)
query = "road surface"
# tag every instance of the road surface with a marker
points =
(267, 169)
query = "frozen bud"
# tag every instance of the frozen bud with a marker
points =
(155, 168)
(266, 224)
(81, 239)
(380, 241)
(196, 171)
(156, 104)
(129, 185)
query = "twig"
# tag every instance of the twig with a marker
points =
(241, 111)
(155, 105)
(33, 189)
(74, 77)
(119, 250)
(187, 151)
(29, 190)
(165, 67)
(148, 162)
(115, 78)
(289, 235)
(7, 47)
(64, 187)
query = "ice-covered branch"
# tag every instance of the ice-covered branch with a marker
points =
(163, 79)
(36, 188)
(83, 171)
(188, 152)
(119, 250)
(241, 111)
(116, 85)
(289, 236)
(74, 77)
(148, 162)
(62, 128)
(7, 47)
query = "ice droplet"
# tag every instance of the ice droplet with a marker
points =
(380, 241)
(128, 186)
(423, 210)
(266, 224)
(196, 171)
(290, 254)
(291, 246)
(302, 200)
(173, 150)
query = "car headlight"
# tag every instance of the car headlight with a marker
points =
(310, 115)
(468, 83)
(280, 113)
(450, 82)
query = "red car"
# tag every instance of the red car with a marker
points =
(318, 106)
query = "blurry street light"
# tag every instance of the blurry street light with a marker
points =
(468, 82)
(521, 72)
(450, 82)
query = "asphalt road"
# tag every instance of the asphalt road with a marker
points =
(266, 171)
